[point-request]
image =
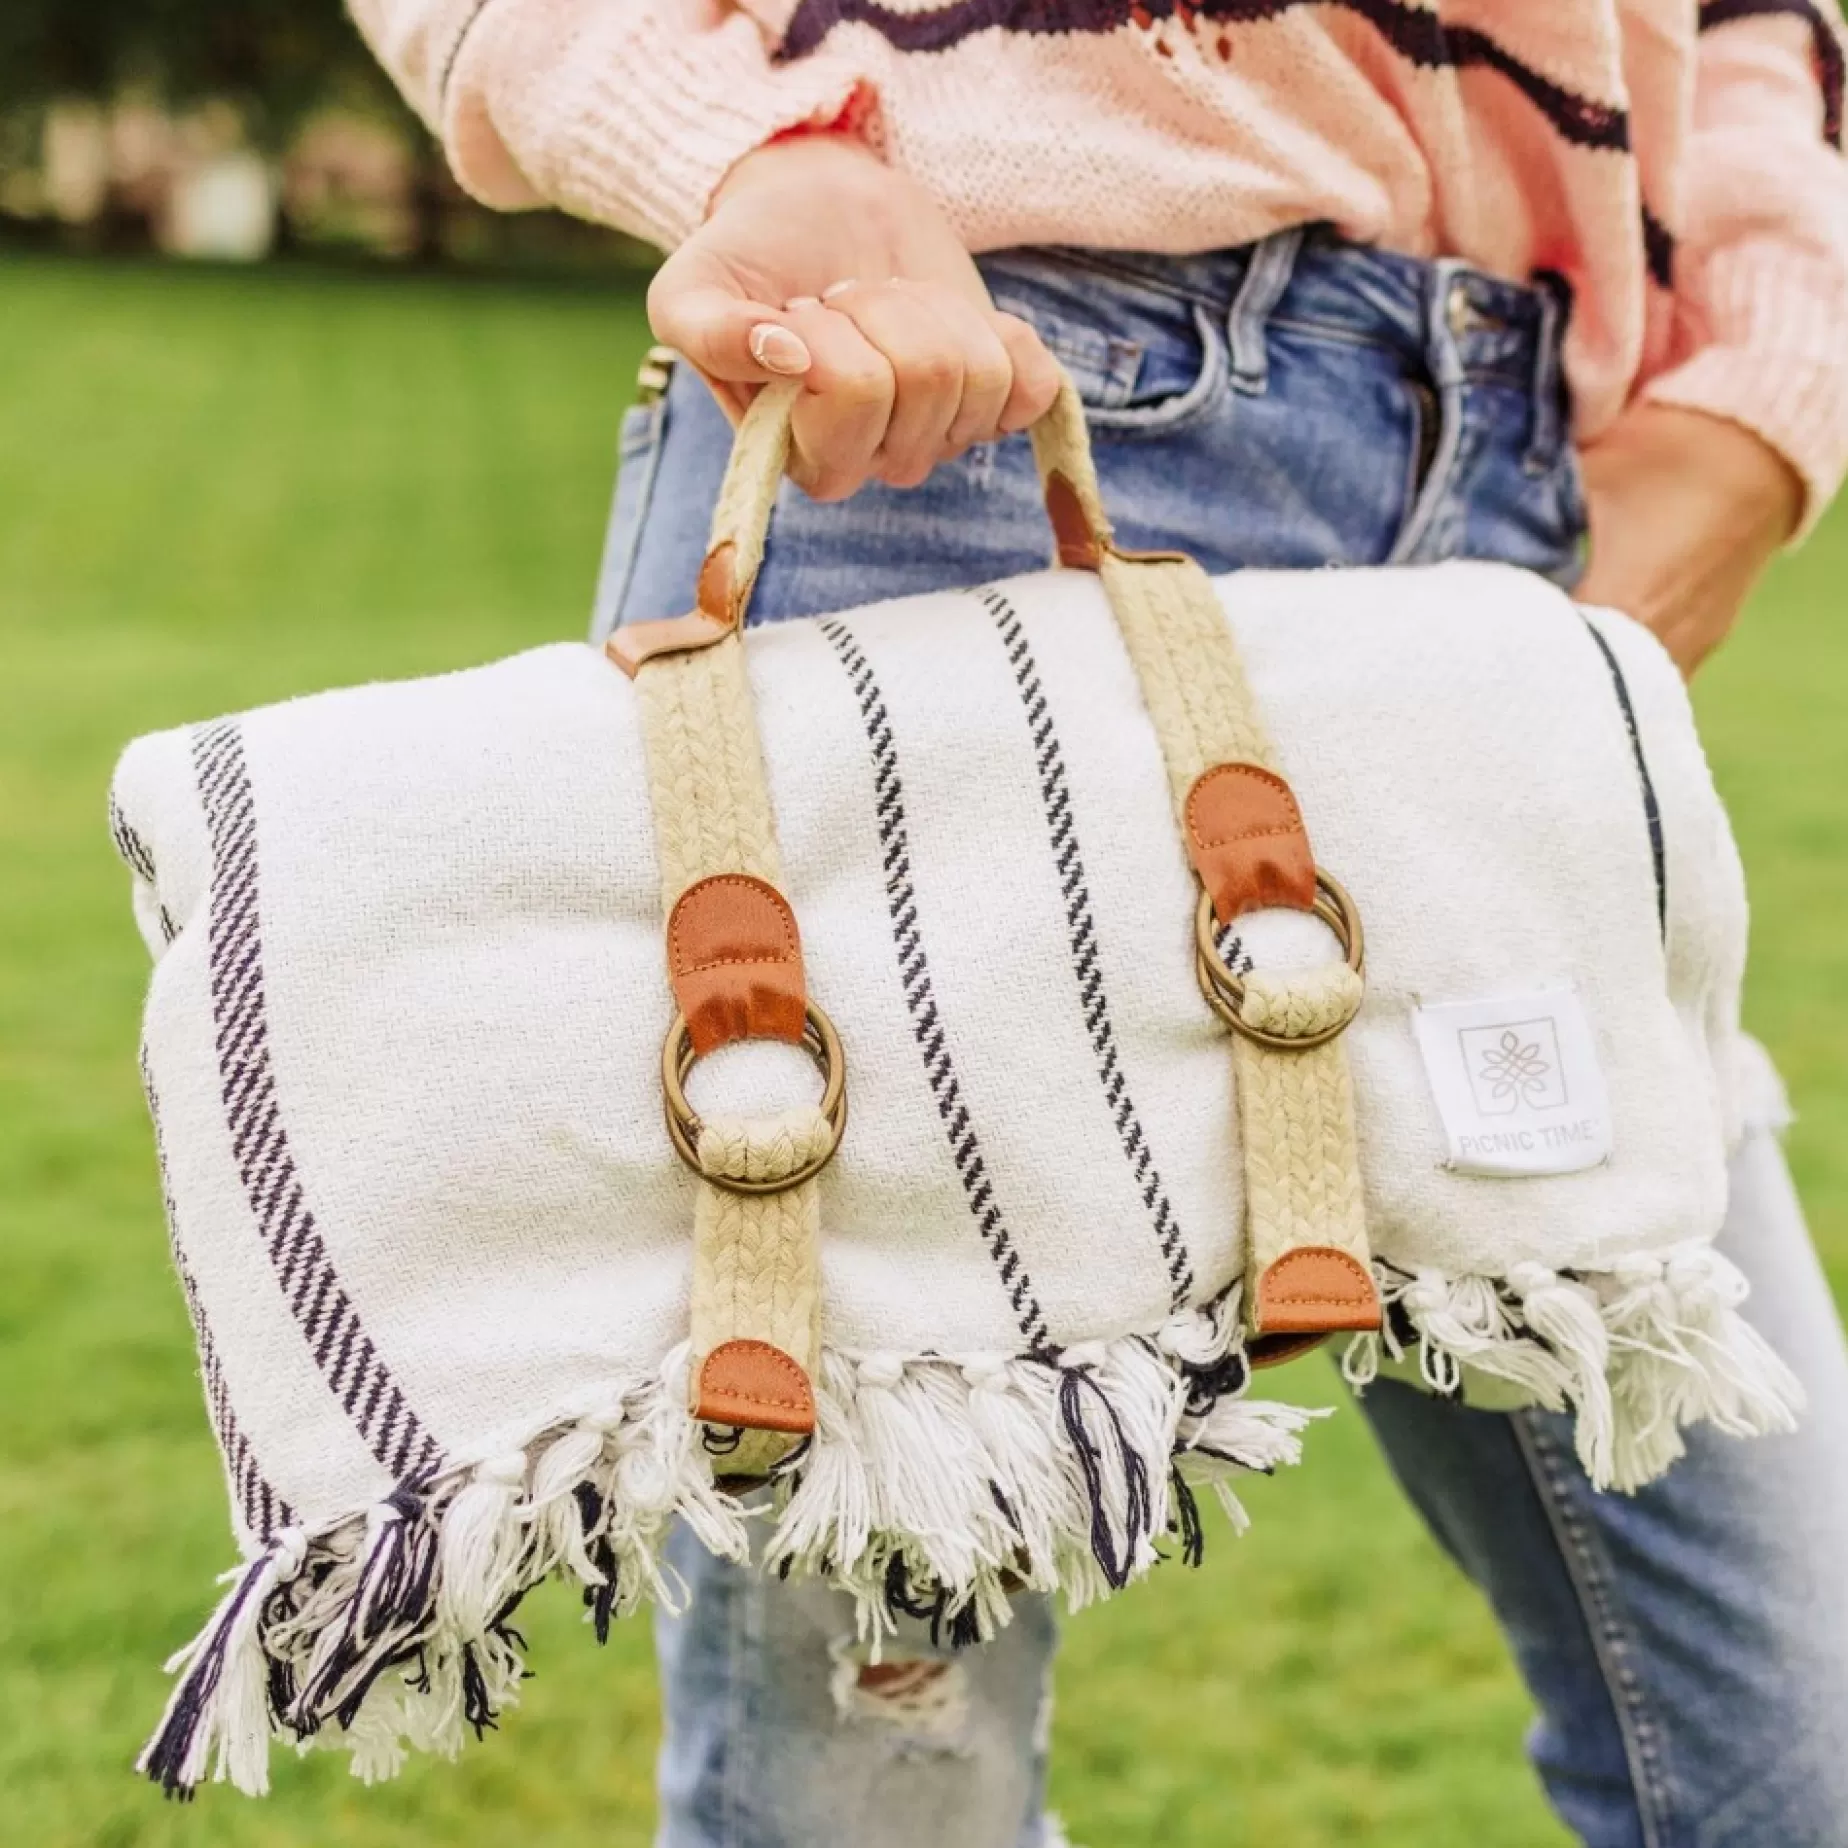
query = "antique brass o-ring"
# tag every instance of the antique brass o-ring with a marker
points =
(823, 1045)
(1225, 991)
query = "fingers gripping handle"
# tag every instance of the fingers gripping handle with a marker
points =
(740, 520)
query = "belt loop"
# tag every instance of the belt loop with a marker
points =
(1548, 422)
(1267, 275)
(1448, 311)
(1430, 528)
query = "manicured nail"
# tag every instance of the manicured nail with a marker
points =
(776, 349)
(803, 301)
(838, 288)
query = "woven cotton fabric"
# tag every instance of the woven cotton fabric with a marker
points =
(402, 1043)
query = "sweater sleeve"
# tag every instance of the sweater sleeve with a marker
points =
(628, 112)
(1761, 262)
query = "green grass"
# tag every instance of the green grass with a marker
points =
(220, 488)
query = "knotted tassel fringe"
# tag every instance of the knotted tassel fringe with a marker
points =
(932, 1488)
(1636, 1353)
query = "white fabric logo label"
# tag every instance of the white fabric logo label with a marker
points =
(1517, 1083)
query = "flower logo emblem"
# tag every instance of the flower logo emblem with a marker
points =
(1514, 1072)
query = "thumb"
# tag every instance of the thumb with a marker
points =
(726, 337)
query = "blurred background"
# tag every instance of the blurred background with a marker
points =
(280, 409)
(237, 130)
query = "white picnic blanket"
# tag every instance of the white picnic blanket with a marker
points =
(403, 1045)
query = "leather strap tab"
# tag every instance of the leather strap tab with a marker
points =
(718, 593)
(636, 643)
(754, 1385)
(1080, 548)
(718, 610)
(1316, 1290)
(1246, 839)
(735, 961)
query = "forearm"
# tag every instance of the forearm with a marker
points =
(1761, 264)
(627, 112)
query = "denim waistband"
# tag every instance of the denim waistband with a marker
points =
(1457, 321)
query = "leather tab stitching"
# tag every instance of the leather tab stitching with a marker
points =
(764, 1354)
(1275, 1295)
(746, 987)
(1245, 772)
(792, 944)
(1284, 875)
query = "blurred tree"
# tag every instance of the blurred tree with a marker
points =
(51, 52)
(274, 61)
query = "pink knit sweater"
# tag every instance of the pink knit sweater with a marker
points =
(1679, 163)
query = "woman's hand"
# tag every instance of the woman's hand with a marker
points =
(819, 262)
(1686, 511)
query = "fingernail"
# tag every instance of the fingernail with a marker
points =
(776, 349)
(838, 288)
(803, 301)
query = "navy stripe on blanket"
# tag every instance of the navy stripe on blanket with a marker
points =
(328, 1320)
(1652, 808)
(262, 1508)
(1416, 34)
(134, 851)
(1081, 925)
(129, 844)
(920, 997)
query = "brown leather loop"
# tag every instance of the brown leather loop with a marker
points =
(1276, 1350)
(636, 643)
(1246, 839)
(719, 602)
(734, 958)
(756, 1386)
(1081, 547)
(718, 593)
(1316, 1290)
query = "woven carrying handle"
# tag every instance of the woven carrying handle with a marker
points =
(755, 1293)
(760, 454)
(747, 497)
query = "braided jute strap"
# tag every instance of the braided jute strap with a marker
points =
(1308, 1267)
(755, 1294)
(756, 1280)
(756, 1309)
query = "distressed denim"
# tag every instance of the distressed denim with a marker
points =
(1302, 403)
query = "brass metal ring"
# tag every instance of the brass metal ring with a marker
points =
(1225, 991)
(823, 1045)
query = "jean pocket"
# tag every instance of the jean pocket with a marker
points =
(638, 455)
(1143, 363)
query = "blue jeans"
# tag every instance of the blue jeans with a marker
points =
(1302, 403)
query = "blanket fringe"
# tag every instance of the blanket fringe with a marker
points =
(1636, 1353)
(932, 1489)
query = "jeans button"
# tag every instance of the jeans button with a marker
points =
(1459, 310)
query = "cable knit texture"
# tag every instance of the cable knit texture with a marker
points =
(1680, 165)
